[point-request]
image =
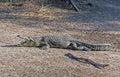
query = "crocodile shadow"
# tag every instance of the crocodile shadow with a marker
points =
(9, 46)
(87, 61)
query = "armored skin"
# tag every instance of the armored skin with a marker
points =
(46, 42)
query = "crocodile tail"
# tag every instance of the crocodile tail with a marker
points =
(99, 47)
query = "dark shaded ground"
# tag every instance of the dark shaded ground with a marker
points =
(97, 24)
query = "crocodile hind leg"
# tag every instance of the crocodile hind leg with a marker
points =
(75, 47)
(83, 48)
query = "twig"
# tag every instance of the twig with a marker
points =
(88, 61)
(73, 4)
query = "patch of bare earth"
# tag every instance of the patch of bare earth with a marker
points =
(34, 62)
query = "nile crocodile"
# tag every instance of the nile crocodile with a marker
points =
(46, 42)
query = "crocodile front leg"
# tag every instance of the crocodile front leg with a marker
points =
(44, 46)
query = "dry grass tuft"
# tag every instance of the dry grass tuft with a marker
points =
(29, 10)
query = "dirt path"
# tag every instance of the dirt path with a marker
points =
(97, 25)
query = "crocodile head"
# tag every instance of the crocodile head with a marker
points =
(29, 41)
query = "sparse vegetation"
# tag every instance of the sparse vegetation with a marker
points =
(92, 24)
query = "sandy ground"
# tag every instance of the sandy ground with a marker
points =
(98, 24)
